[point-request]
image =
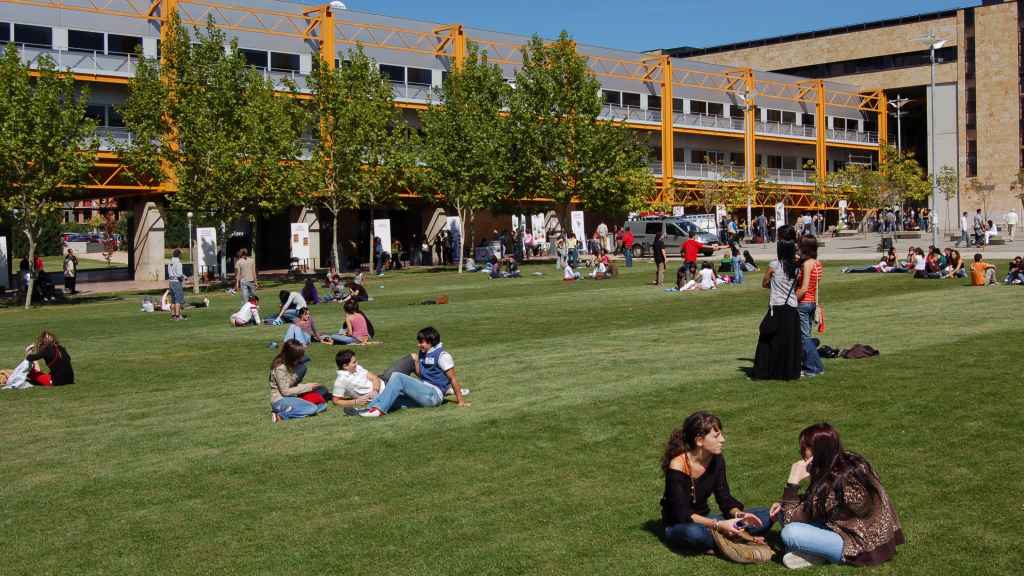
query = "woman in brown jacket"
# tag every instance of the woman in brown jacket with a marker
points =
(845, 516)
(285, 387)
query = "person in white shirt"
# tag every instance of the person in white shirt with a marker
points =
(1011, 223)
(990, 230)
(248, 314)
(964, 227)
(708, 281)
(291, 303)
(569, 274)
(354, 385)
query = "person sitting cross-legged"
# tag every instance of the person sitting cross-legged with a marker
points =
(435, 371)
(286, 387)
(982, 273)
(357, 329)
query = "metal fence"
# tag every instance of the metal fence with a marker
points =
(82, 61)
(853, 136)
(785, 129)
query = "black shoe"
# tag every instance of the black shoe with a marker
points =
(350, 411)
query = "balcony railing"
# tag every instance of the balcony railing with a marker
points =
(630, 113)
(852, 136)
(80, 61)
(406, 91)
(279, 76)
(789, 176)
(705, 121)
(111, 137)
(785, 129)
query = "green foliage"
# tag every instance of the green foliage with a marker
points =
(49, 230)
(46, 143)
(465, 139)
(947, 181)
(365, 156)
(559, 149)
(898, 179)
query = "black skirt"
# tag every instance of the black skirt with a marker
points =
(779, 350)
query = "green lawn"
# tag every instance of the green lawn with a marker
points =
(56, 264)
(163, 458)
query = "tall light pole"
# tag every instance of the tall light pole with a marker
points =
(933, 45)
(192, 257)
(898, 104)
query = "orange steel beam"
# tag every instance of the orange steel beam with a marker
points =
(451, 36)
(821, 147)
(883, 125)
(668, 135)
(749, 132)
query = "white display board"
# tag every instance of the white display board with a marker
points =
(780, 215)
(577, 226)
(5, 279)
(206, 249)
(842, 210)
(537, 227)
(453, 226)
(678, 210)
(300, 241)
(382, 230)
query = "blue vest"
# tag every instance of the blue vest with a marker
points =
(430, 372)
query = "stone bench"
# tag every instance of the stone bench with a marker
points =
(906, 235)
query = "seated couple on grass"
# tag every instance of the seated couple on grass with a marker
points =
(28, 372)
(423, 378)
(290, 398)
(843, 517)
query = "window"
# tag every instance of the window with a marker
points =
(774, 115)
(716, 109)
(284, 62)
(612, 97)
(698, 107)
(789, 163)
(838, 165)
(444, 77)
(736, 111)
(33, 35)
(673, 230)
(85, 41)
(5, 32)
(256, 58)
(707, 157)
(678, 153)
(631, 99)
(654, 102)
(97, 112)
(839, 123)
(774, 162)
(788, 117)
(677, 105)
(118, 44)
(807, 163)
(420, 76)
(114, 117)
(807, 119)
(737, 159)
(652, 228)
(391, 73)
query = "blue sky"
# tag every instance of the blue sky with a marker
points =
(649, 24)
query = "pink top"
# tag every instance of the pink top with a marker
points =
(357, 326)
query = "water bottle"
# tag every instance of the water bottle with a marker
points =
(273, 344)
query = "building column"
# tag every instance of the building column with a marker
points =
(148, 242)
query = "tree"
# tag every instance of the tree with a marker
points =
(1017, 186)
(465, 138)
(723, 190)
(365, 154)
(213, 126)
(898, 179)
(47, 144)
(559, 149)
(981, 191)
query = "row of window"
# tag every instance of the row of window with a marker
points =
(776, 161)
(78, 40)
(264, 59)
(872, 64)
(105, 115)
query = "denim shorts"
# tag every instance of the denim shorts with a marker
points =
(177, 292)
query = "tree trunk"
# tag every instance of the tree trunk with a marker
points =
(334, 239)
(223, 264)
(31, 267)
(372, 235)
(462, 228)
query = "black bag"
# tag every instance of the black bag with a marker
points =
(828, 352)
(859, 351)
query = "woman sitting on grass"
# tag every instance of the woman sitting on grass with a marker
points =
(58, 362)
(845, 516)
(285, 388)
(694, 469)
(356, 329)
(248, 314)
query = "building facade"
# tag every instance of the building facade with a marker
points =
(978, 98)
(703, 121)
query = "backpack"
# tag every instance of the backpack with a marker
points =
(859, 351)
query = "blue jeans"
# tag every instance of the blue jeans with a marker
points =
(419, 392)
(290, 407)
(628, 253)
(344, 339)
(698, 537)
(812, 361)
(177, 292)
(813, 539)
(737, 271)
(248, 289)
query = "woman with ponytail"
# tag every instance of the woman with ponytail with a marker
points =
(779, 352)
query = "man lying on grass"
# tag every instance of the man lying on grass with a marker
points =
(435, 371)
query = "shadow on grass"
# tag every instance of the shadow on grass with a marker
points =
(62, 301)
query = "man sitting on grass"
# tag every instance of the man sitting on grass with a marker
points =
(354, 385)
(982, 273)
(435, 371)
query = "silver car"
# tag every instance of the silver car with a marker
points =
(676, 231)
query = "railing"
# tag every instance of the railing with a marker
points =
(693, 171)
(704, 121)
(279, 76)
(111, 137)
(82, 61)
(406, 91)
(853, 136)
(630, 113)
(789, 175)
(785, 129)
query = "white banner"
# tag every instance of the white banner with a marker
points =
(382, 230)
(678, 211)
(780, 215)
(842, 210)
(453, 226)
(537, 227)
(577, 226)
(206, 249)
(5, 259)
(299, 241)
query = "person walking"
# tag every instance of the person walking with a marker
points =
(963, 231)
(627, 247)
(1011, 223)
(979, 228)
(245, 275)
(70, 272)
(659, 258)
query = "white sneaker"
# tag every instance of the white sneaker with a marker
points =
(371, 413)
(798, 560)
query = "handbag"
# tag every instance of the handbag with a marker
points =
(742, 548)
(819, 312)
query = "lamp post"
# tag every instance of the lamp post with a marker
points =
(192, 257)
(933, 45)
(898, 104)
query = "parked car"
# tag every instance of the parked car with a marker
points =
(677, 230)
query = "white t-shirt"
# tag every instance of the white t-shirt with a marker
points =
(296, 299)
(964, 224)
(351, 385)
(919, 263)
(707, 279)
(569, 274)
(1011, 218)
(249, 312)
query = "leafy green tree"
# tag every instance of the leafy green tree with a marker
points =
(366, 154)
(898, 179)
(47, 144)
(214, 128)
(465, 138)
(559, 149)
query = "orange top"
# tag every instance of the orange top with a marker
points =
(978, 273)
(812, 287)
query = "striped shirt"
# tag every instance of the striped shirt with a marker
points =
(812, 287)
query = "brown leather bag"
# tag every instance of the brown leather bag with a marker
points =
(743, 549)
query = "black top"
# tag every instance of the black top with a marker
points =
(659, 245)
(59, 363)
(677, 505)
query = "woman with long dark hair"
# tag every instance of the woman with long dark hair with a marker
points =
(58, 362)
(845, 516)
(811, 272)
(694, 469)
(285, 386)
(778, 352)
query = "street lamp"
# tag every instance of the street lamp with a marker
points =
(192, 257)
(898, 104)
(933, 45)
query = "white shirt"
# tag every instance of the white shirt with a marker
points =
(707, 279)
(963, 224)
(919, 263)
(247, 313)
(351, 385)
(296, 299)
(569, 274)
(1011, 218)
